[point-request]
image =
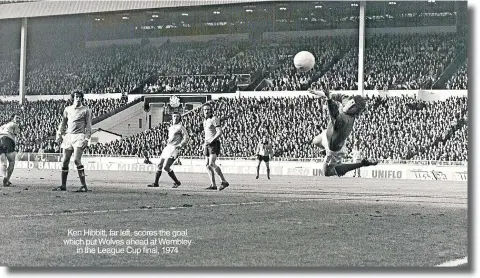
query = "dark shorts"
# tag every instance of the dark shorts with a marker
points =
(7, 145)
(212, 148)
(265, 158)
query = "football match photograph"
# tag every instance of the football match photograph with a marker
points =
(235, 135)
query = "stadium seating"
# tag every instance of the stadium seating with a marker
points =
(391, 62)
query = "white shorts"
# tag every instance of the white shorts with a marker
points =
(331, 157)
(71, 141)
(170, 151)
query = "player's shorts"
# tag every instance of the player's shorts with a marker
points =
(265, 158)
(7, 145)
(169, 152)
(332, 158)
(71, 141)
(212, 148)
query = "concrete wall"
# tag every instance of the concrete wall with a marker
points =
(125, 122)
(103, 137)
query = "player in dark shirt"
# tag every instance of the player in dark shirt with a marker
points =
(339, 127)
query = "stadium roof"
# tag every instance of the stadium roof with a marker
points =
(58, 7)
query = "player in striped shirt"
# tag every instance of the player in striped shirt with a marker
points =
(264, 152)
(213, 132)
(8, 139)
(339, 127)
(177, 139)
(73, 134)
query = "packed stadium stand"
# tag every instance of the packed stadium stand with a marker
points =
(393, 62)
(391, 128)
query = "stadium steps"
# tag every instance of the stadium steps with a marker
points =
(152, 78)
(118, 110)
(451, 69)
(120, 120)
(257, 79)
(451, 132)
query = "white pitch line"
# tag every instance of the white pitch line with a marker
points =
(454, 263)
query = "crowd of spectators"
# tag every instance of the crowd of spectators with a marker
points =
(257, 57)
(402, 127)
(191, 67)
(459, 81)
(39, 120)
(9, 66)
(284, 77)
(452, 145)
(75, 69)
(344, 74)
(391, 62)
(397, 62)
(198, 58)
(192, 84)
(391, 128)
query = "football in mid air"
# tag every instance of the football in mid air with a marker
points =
(304, 61)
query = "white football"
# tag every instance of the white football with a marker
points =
(304, 61)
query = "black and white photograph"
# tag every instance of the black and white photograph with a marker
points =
(234, 134)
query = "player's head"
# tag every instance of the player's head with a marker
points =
(354, 105)
(15, 118)
(264, 139)
(77, 97)
(207, 110)
(176, 118)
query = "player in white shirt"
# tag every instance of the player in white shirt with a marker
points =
(213, 132)
(356, 157)
(264, 152)
(8, 139)
(73, 134)
(177, 139)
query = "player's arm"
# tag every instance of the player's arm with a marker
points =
(257, 150)
(62, 127)
(88, 127)
(16, 130)
(317, 93)
(185, 138)
(331, 104)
